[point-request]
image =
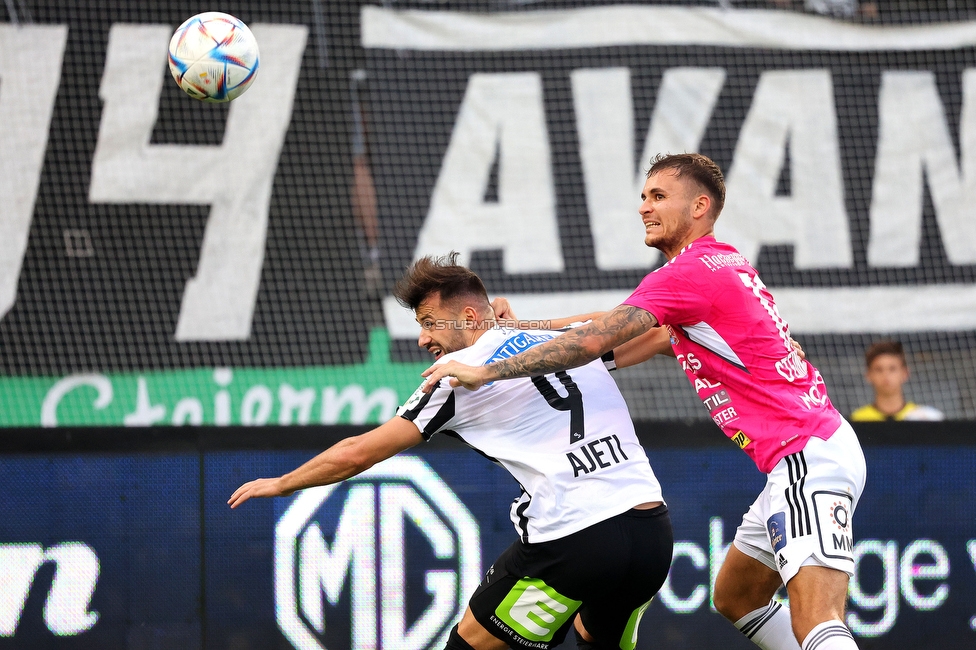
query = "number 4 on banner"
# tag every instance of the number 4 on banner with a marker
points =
(234, 178)
(30, 71)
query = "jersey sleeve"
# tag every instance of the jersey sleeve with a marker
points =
(432, 411)
(672, 296)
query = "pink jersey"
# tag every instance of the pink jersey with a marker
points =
(735, 348)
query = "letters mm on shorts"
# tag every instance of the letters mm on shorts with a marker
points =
(834, 524)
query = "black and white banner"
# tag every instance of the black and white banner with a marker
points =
(143, 233)
(521, 140)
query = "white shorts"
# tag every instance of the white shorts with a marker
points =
(804, 514)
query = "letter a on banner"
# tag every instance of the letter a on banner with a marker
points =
(914, 145)
(603, 102)
(792, 114)
(503, 114)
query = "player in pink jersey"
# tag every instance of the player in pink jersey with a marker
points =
(729, 338)
(735, 348)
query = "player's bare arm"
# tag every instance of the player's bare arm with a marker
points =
(506, 317)
(343, 460)
(637, 350)
(574, 348)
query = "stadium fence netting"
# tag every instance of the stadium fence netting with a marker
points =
(163, 260)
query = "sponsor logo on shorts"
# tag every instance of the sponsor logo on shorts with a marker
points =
(834, 524)
(839, 515)
(741, 439)
(782, 561)
(777, 531)
(536, 611)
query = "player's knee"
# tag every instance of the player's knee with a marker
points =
(725, 596)
(734, 599)
(455, 642)
(725, 602)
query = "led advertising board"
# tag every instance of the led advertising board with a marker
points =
(138, 548)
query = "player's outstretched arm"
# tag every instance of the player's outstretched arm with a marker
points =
(507, 318)
(574, 348)
(637, 350)
(343, 460)
(641, 348)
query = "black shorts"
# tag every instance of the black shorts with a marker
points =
(606, 573)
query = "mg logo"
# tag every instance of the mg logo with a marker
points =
(373, 520)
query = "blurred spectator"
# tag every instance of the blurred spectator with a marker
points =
(887, 372)
(836, 8)
(363, 188)
(363, 198)
(863, 9)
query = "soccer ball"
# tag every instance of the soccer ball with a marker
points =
(213, 57)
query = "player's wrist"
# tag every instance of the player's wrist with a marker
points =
(286, 484)
(487, 374)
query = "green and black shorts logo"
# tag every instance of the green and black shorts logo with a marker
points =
(535, 610)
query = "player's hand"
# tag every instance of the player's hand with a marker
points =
(471, 377)
(503, 312)
(797, 348)
(262, 487)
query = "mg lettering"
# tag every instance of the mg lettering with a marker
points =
(366, 558)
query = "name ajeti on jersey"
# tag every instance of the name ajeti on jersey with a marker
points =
(735, 349)
(566, 437)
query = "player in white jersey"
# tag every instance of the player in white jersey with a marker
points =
(594, 535)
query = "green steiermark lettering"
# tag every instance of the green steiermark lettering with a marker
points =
(363, 393)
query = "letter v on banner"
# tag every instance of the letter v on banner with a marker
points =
(604, 109)
(234, 178)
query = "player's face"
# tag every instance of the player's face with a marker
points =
(886, 374)
(442, 329)
(666, 211)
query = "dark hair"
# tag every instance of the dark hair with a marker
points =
(893, 348)
(701, 169)
(442, 275)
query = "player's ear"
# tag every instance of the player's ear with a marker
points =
(702, 205)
